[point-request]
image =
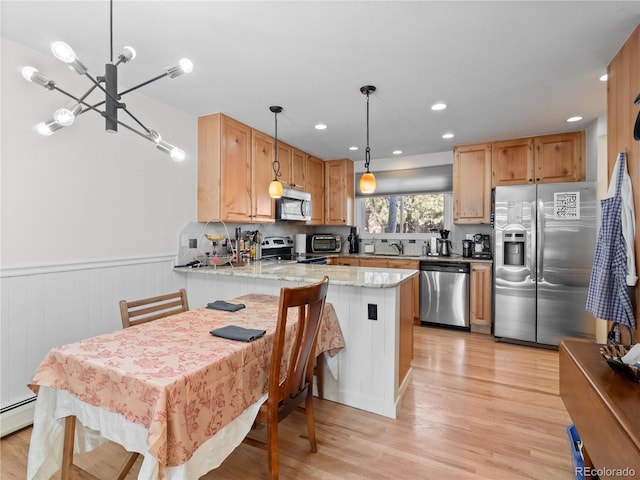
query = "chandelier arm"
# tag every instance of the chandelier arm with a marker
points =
(97, 84)
(135, 119)
(131, 129)
(88, 92)
(80, 101)
(143, 84)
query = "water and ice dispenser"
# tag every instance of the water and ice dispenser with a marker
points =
(514, 249)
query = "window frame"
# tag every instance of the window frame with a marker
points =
(360, 217)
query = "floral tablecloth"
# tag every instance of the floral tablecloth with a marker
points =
(174, 378)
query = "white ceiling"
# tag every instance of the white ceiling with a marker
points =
(506, 69)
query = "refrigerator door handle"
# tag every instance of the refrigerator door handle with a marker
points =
(540, 240)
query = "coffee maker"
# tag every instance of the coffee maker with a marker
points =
(481, 246)
(444, 244)
(354, 241)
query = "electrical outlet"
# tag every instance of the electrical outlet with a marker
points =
(184, 240)
(372, 311)
(193, 243)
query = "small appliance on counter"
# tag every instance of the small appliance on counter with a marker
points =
(324, 243)
(301, 244)
(444, 244)
(467, 248)
(481, 246)
(354, 241)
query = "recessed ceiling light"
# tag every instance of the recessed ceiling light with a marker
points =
(447, 135)
(397, 152)
(604, 77)
(574, 119)
(353, 148)
(321, 126)
(438, 106)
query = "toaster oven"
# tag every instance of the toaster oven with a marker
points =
(324, 243)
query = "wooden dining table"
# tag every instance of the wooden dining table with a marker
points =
(167, 389)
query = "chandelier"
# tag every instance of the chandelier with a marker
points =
(108, 83)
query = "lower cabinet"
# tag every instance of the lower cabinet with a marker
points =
(480, 297)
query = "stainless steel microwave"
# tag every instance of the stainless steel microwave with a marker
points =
(294, 205)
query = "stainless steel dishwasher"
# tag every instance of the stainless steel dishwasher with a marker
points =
(444, 294)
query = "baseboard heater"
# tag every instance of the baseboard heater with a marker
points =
(17, 416)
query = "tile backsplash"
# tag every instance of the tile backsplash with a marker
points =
(412, 243)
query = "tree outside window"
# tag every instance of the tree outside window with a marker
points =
(422, 213)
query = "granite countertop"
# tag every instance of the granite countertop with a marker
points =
(451, 258)
(299, 272)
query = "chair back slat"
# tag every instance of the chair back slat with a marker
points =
(285, 386)
(153, 308)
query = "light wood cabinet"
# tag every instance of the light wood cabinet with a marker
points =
(512, 162)
(545, 159)
(284, 158)
(348, 261)
(339, 192)
(293, 166)
(262, 206)
(299, 169)
(234, 171)
(560, 158)
(472, 184)
(480, 294)
(315, 186)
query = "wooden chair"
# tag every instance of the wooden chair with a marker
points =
(153, 308)
(143, 311)
(289, 388)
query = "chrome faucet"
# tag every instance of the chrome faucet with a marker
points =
(399, 246)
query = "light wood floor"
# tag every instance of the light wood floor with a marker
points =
(475, 409)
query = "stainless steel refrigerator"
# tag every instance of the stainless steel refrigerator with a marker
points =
(544, 242)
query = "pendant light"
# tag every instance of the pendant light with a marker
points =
(368, 179)
(108, 84)
(275, 187)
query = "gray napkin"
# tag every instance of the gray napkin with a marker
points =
(225, 306)
(233, 332)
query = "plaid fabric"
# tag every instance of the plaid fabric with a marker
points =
(608, 297)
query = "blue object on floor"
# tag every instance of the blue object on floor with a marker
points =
(576, 453)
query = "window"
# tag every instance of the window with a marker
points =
(416, 213)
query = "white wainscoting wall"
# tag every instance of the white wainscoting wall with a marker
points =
(45, 307)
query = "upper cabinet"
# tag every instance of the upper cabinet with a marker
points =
(262, 205)
(545, 159)
(315, 186)
(293, 166)
(234, 171)
(339, 192)
(299, 168)
(472, 184)
(560, 158)
(512, 162)
(479, 168)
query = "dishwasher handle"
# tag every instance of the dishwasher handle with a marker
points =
(452, 267)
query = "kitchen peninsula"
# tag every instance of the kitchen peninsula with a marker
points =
(374, 308)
